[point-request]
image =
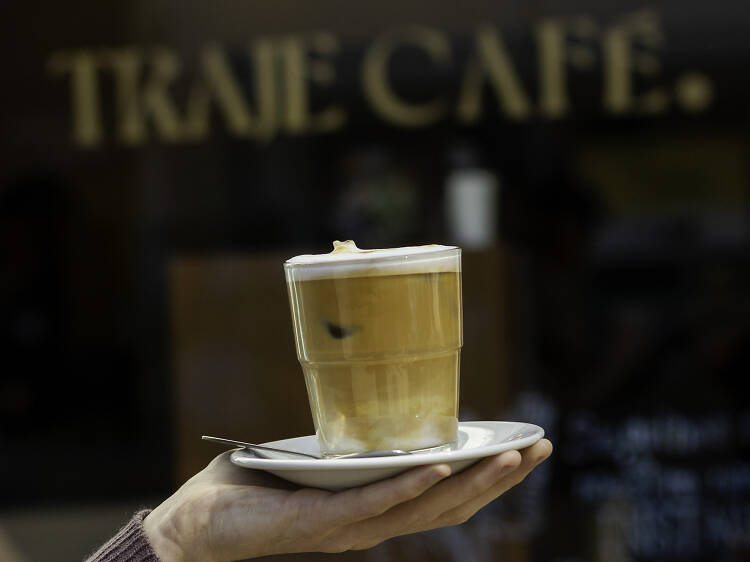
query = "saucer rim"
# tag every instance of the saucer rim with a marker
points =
(241, 457)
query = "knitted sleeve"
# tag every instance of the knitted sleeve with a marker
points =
(130, 544)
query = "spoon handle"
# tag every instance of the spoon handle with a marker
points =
(254, 446)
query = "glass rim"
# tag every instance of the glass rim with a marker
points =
(365, 257)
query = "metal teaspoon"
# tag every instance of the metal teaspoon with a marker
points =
(367, 454)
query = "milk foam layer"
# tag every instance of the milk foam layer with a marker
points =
(346, 260)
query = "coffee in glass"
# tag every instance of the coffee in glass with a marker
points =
(379, 335)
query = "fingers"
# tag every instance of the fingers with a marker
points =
(532, 457)
(450, 502)
(476, 480)
(466, 485)
(419, 514)
(373, 500)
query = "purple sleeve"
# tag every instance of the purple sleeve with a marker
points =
(130, 544)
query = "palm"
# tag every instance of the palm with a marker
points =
(246, 513)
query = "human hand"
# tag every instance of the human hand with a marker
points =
(230, 513)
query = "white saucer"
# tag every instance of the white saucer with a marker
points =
(476, 440)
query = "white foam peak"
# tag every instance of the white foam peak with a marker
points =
(347, 259)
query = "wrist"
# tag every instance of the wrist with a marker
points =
(167, 535)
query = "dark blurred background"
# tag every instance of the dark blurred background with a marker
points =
(159, 161)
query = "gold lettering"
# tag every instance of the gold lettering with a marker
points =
(136, 104)
(165, 67)
(621, 60)
(377, 87)
(492, 62)
(297, 72)
(262, 57)
(618, 91)
(551, 37)
(127, 66)
(225, 89)
(84, 93)
(216, 82)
